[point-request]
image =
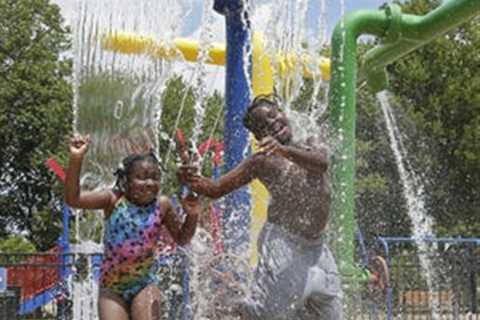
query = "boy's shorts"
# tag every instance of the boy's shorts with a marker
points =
(296, 278)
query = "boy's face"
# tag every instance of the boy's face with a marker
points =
(270, 121)
(143, 183)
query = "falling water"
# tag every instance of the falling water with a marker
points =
(200, 88)
(284, 45)
(84, 286)
(413, 191)
(117, 100)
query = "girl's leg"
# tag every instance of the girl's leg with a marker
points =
(147, 304)
(111, 306)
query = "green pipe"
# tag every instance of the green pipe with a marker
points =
(342, 121)
(402, 33)
(413, 32)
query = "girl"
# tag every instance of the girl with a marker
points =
(138, 223)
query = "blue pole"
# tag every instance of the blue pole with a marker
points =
(236, 218)
(65, 242)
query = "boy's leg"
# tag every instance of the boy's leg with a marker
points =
(322, 298)
(321, 308)
(279, 280)
(111, 306)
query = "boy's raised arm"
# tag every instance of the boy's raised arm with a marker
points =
(241, 175)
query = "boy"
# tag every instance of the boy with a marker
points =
(296, 277)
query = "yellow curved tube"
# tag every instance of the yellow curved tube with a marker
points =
(127, 43)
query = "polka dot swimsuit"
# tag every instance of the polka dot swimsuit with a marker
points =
(133, 236)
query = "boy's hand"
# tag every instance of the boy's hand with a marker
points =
(270, 145)
(79, 145)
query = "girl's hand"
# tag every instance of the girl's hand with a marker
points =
(79, 145)
(191, 204)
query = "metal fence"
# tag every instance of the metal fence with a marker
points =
(38, 284)
(41, 285)
(34, 286)
(433, 278)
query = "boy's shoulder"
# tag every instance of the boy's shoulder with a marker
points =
(313, 142)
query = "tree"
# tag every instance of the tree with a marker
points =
(438, 87)
(35, 109)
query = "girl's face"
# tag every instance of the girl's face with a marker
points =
(270, 121)
(143, 183)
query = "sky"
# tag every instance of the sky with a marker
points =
(263, 11)
(333, 15)
(159, 12)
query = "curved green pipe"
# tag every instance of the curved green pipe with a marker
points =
(402, 34)
(416, 31)
(342, 120)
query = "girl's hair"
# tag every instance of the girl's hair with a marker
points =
(126, 166)
(269, 100)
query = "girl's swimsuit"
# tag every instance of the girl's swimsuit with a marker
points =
(133, 236)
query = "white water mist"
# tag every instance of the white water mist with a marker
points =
(414, 194)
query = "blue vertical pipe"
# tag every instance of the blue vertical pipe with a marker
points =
(236, 218)
(64, 242)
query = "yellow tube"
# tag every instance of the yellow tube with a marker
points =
(134, 44)
(129, 43)
(262, 83)
(287, 64)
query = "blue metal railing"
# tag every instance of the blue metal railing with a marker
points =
(466, 285)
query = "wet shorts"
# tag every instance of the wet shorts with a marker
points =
(295, 279)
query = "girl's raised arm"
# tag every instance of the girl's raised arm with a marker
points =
(74, 197)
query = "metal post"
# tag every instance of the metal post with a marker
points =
(342, 119)
(236, 218)
(472, 279)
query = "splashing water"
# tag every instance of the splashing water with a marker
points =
(422, 223)
(83, 286)
(117, 100)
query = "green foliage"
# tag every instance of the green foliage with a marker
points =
(178, 97)
(445, 108)
(35, 111)
(15, 244)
